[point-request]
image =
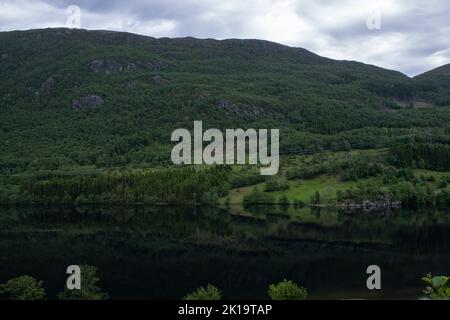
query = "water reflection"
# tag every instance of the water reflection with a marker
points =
(165, 252)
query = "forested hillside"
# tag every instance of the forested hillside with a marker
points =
(85, 100)
(438, 78)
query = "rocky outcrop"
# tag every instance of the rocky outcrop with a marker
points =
(113, 66)
(46, 86)
(88, 102)
(159, 79)
(106, 66)
(132, 84)
(243, 110)
(384, 203)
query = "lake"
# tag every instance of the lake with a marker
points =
(165, 252)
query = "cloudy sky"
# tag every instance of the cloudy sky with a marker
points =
(411, 36)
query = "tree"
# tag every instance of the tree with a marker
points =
(209, 293)
(315, 199)
(276, 184)
(287, 290)
(23, 288)
(283, 201)
(89, 289)
(257, 197)
(299, 204)
(326, 196)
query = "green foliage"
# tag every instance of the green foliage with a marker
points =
(245, 176)
(227, 84)
(23, 288)
(89, 288)
(287, 290)
(209, 293)
(276, 183)
(423, 156)
(361, 170)
(257, 197)
(155, 86)
(299, 204)
(437, 287)
(315, 199)
(439, 82)
(174, 185)
(284, 201)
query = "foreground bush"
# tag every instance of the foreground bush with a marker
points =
(89, 289)
(209, 293)
(287, 290)
(23, 288)
(437, 287)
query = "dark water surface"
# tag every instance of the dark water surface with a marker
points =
(166, 252)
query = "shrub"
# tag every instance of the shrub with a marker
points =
(287, 290)
(437, 287)
(89, 289)
(276, 184)
(209, 293)
(299, 204)
(23, 288)
(283, 201)
(257, 197)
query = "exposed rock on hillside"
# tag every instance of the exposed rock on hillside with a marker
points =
(132, 84)
(87, 102)
(245, 110)
(113, 66)
(159, 79)
(47, 86)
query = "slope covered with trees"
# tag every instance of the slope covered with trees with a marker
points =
(72, 99)
(86, 116)
(439, 81)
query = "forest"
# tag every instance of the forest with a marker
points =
(86, 117)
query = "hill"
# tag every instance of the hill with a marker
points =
(440, 71)
(72, 99)
(439, 79)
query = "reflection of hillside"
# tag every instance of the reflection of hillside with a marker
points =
(162, 252)
(214, 226)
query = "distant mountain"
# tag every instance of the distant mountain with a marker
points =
(440, 71)
(71, 98)
(438, 78)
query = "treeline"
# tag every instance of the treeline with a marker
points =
(404, 187)
(422, 156)
(167, 186)
(349, 169)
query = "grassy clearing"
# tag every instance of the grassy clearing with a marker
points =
(299, 189)
(327, 186)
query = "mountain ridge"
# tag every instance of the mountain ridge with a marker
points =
(200, 40)
(443, 70)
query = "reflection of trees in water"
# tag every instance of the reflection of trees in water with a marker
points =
(165, 252)
(408, 230)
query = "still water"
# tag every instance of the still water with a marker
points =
(166, 252)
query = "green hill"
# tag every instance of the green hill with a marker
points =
(438, 78)
(77, 98)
